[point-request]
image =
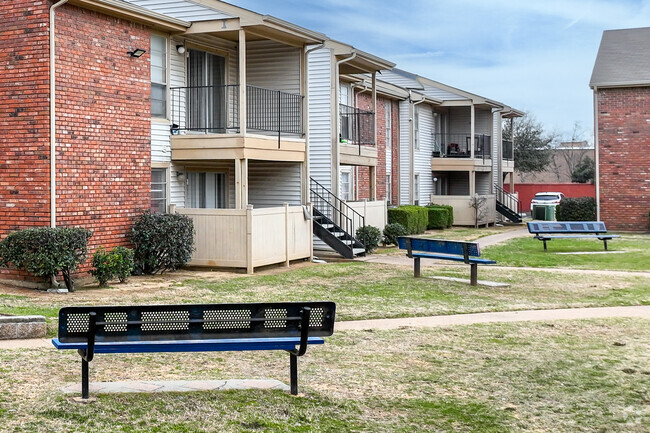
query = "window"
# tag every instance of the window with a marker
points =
(347, 185)
(416, 189)
(416, 128)
(206, 190)
(159, 190)
(158, 76)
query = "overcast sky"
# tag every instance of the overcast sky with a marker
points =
(534, 55)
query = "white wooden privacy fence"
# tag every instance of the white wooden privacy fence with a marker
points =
(249, 238)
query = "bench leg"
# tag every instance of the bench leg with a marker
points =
(416, 267)
(545, 245)
(84, 379)
(473, 276)
(294, 373)
(605, 240)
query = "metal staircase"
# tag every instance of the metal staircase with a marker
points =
(508, 205)
(335, 223)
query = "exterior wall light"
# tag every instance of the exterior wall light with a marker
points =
(138, 52)
(180, 49)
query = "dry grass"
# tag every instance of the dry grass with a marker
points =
(586, 376)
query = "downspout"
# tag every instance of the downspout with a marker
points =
(305, 116)
(337, 119)
(53, 112)
(597, 153)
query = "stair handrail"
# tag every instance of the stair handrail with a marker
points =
(339, 207)
(508, 199)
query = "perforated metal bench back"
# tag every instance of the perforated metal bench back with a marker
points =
(440, 246)
(195, 322)
(567, 227)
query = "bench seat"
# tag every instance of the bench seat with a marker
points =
(220, 345)
(454, 258)
(546, 231)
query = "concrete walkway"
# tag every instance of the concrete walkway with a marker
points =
(500, 317)
(448, 320)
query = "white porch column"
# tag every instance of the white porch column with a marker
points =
(374, 104)
(242, 82)
(244, 185)
(472, 183)
(472, 129)
(373, 183)
(238, 185)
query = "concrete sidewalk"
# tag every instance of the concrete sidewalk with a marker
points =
(499, 317)
(427, 322)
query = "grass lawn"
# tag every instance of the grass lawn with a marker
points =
(628, 253)
(568, 376)
(361, 291)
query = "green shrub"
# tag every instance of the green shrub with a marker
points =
(162, 242)
(369, 236)
(103, 266)
(576, 209)
(124, 263)
(438, 218)
(46, 251)
(392, 232)
(413, 218)
(108, 265)
(450, 212)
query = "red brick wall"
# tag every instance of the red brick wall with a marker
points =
(363, 173)
(526, 191)
(103, 121)
(624, 152)
(24, 111)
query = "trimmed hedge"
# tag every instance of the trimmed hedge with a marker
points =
(162, 242)
(450, 214)
(576, 209)
(108, 265)
(369, 236)
(438, 217)
(414, 218)
(392, 232)
(46, 251)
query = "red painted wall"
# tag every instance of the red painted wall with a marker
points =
(527, 191)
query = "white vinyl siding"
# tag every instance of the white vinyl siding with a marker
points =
(422, 156)
(497, 155)
(389, 136)
(483, 183)
(460, 121)
(271, 184)
(483, 120)
(404, 152)
(320, 116)
(458, 183)
(272, 65)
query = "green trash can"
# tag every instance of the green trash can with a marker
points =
(543, 212)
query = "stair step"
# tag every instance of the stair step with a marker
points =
(347, 241)
(338, 234)
(327, 226)
(357, 251)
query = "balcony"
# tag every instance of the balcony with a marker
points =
(357, 136)
(206, 124)
(453, 152)
(508, 161)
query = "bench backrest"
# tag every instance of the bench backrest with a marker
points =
(195, 322)
(439, 246)
(567, 227)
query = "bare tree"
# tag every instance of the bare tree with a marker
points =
(477, 202)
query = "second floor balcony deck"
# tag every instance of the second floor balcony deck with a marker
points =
(357, 136)
(206, 119)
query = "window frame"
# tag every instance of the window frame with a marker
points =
(166, 188)
(166, 74)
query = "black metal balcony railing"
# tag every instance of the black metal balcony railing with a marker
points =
(460, 146)
(508, 150)
(357, 126)
(215, 109)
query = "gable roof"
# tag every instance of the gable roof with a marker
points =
(623, 59)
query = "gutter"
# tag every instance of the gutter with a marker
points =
(597, 153)
(53, 112)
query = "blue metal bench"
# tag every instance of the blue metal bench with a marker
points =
(194, 328)
(546, 231)
(466, 252)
